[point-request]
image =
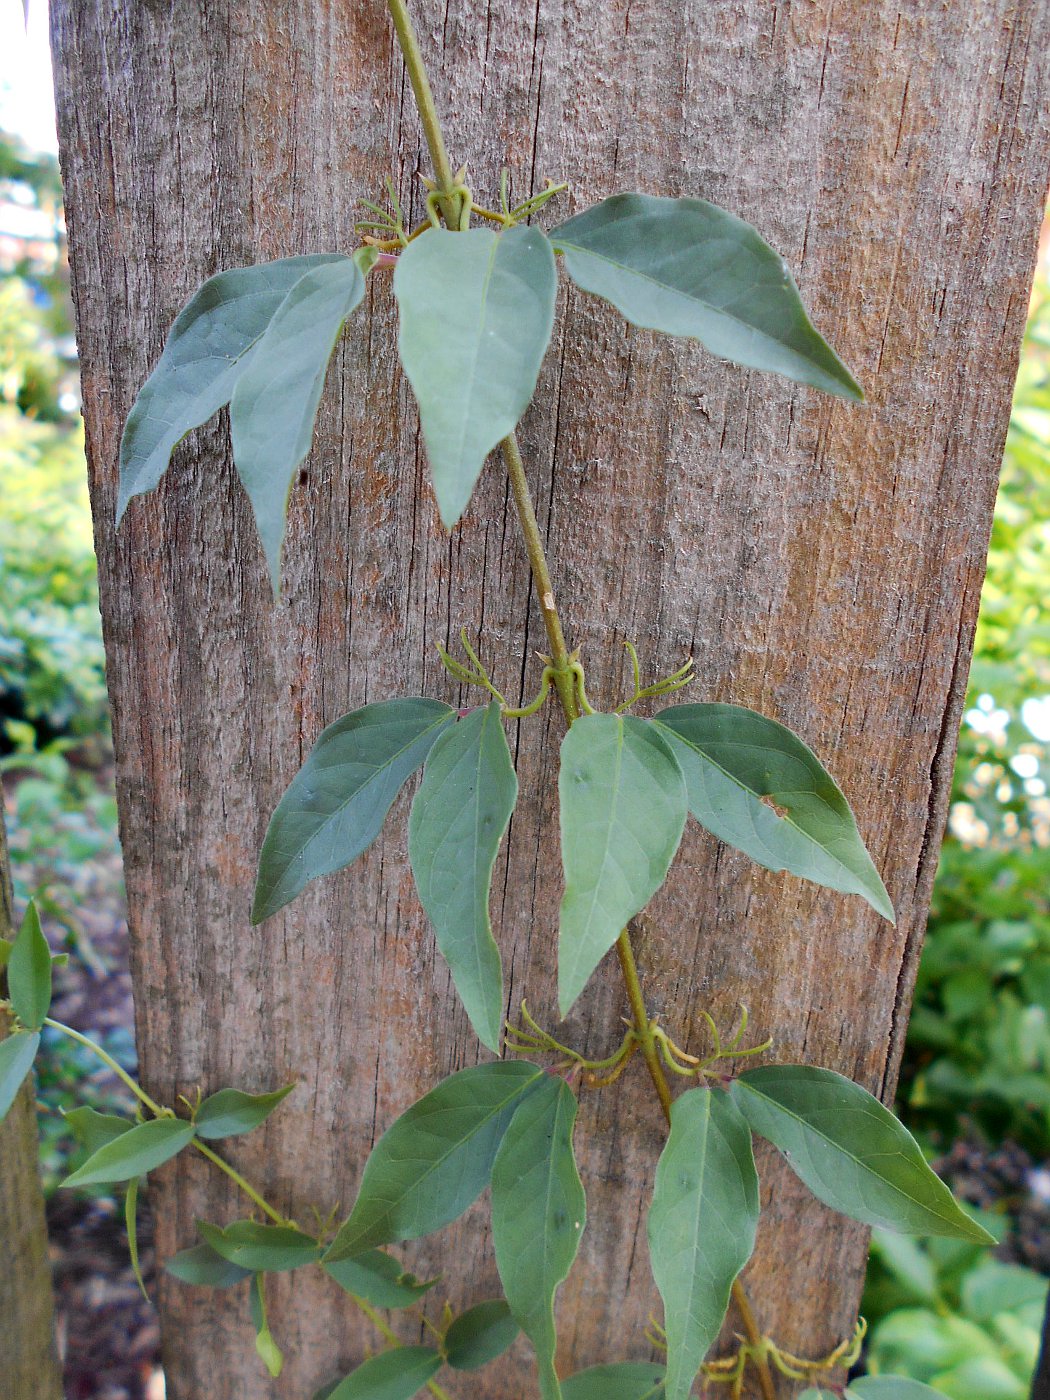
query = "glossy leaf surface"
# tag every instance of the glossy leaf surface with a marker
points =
(141, 1149)
(379, 1279)
(275, 401)
(850, 1151)
(29, 972)
(479, 1335)
(477, 310)
(397, 1374)
(261, 1248)
(17, 1053)
(203, 1267)
(626, 1380)
(538, 1214)
(336, 804)
(230, 1112)
(736, 764)
(436, 1159)
(208, 348)
(93, 1130)
(458, 819)
(622, 810)
(702, 1224)
(689, 268)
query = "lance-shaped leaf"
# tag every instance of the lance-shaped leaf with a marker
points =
(93, 1130)
(336, 804)
(261, 1248)
(538, 1213)
(29, 972)
(141, 1149)
(208, 348)
(477, 309)
(689, 268)
(275, 401)
(397, 1374)
(479, 1335)
(458, 819)
(755, 785)
(436, 1159)
(850, 1151)
(229, 1112)
(625, 1380)
(702, 1225)
(379, 1279)
(17, 1053)
(203, 1267)
(623, 807)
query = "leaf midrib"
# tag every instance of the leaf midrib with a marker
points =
(437, 1162)
(711, 309)
(804, 1123)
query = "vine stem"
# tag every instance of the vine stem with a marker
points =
(564, 678)
(378, 1322)
(624, 949)
(417, 73)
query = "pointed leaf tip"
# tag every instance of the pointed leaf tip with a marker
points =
(755, 785)
(477, 311)
(29, 972)
(208, 348)
(850, 1150)
(275, 401)
(689, 268)
(458, 819)
(622, 811)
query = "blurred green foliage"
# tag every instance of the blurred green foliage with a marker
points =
(953, 1317)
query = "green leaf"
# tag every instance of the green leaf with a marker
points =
(261, 1248)
(131, 1222)
(139, 1150)
(993, 1288)
(736, 763)
(268, 1351)
(208, 349)
(275, 401)
(479, 1335)
(626, 1380)
(689, 268)
(17, 1053)
(203, 1267)
(623, 807)
(229, 1113)
(436, 1159)
(397, 1374)
(93, 1130)
(702, 1224)
(890, 1388)
(336, 804)
(538, 1214)
(850, 1151)
(29, 972)
(477, 310)
(458, 820)
(379, 1279)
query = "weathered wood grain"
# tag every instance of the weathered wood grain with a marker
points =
(822, 562)
(28, 1360)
